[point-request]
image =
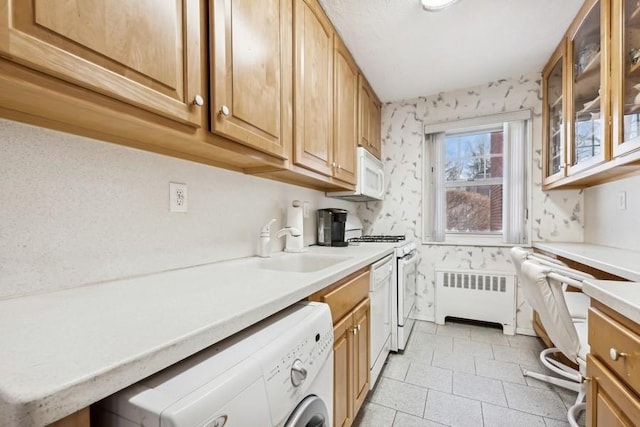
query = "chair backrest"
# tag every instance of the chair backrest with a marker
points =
(548, 300)
(518, 256)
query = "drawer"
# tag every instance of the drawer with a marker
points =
(609, 402)
(347, 295)
(607, 336)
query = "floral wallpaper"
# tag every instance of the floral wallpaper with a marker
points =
(554, 216)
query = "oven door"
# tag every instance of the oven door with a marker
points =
(407, 285)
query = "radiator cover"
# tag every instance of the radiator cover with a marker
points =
(476, 295)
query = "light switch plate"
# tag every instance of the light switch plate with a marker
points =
(622, 200)
(177, 197)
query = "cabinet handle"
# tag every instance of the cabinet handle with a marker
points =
(358, 327)
(198, 100)
(615, 355)
(224, 111)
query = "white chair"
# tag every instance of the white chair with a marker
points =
(577, 302)
(542, 287)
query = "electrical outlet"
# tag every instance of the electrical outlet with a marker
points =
(177, 197)
(622, 200)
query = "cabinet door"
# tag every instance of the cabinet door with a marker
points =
(625, 68)
(364, 114)
(143, 52)
(251, 73)
(588, 106)
(374, 129)
(554, 129)
(343, 372)
(313, 87)
(345, 116)
(361, 337)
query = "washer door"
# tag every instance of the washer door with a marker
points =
(311, 412)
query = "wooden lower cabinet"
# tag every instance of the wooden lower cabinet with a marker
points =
(77, 419)
(361, 337)
(613, 369)
(351, 311)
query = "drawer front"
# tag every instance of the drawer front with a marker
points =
(607, 337)
(609, 402)
(342, 299)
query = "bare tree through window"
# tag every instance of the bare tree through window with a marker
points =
(473, 182)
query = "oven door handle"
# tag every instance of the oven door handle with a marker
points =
(409, 258)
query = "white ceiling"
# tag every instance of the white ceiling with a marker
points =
(406, 52)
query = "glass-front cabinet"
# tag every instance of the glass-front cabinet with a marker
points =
(625, 99)
(587, 90)
(554, 133)
(591, 124)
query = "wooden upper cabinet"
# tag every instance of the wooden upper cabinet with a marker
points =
(313, 83)
(625, 72)
(365, 103)
(588, 106)
(553, 113)
(375, 124)
(369, 118)
(251, 55)
(143, 52)
(345, 114)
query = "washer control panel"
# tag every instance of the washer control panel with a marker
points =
(289, 370)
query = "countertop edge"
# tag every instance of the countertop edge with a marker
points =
(51, 405)
(583, 257)
(604, 291)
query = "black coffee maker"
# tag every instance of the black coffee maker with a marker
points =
(331, 224)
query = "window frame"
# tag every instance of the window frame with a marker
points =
(477, 125)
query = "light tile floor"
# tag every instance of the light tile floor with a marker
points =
(463, 375)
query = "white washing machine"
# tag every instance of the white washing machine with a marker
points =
(278, 372)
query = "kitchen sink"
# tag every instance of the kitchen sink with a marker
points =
(301, 262)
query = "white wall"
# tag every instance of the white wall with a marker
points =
(555, 216)
(76, 211)
(607, 225)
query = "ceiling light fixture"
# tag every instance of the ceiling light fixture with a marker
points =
(436, 5)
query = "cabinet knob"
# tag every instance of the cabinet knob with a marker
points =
(333, 164)
(615, 354)
(224, 111)
(339, 167)
(198, 100)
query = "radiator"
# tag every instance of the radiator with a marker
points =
(476, 295)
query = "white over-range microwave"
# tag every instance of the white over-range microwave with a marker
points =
(370, 179)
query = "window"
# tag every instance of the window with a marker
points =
(475, 180)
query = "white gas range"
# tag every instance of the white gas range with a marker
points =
(402, 298)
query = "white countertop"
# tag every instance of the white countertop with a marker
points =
(621, 262)
(62, 351)
(623, 297)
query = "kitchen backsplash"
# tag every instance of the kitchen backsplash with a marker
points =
(555, 216)
(78, 211)
(607, 223)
